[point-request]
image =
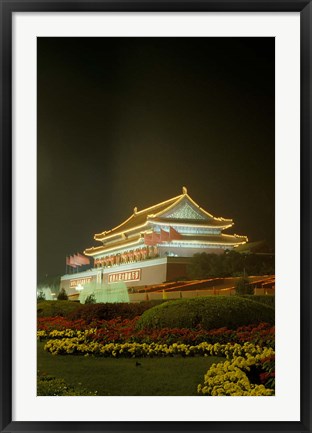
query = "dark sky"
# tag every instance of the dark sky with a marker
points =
(126, 122)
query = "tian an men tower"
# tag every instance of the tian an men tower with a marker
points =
(154, 244)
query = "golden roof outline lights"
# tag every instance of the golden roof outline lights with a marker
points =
(176, 223)
(202, 242)
(205, 212)
(179, 199)
(160, 204)
(171, 203)
(97, 250)
(240, 236)
(161, 214)
(101, 236)
(185, 195)
(123, 233)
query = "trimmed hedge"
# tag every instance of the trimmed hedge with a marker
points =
(89, 312)
(56, 308)
(108, 311)
(263, 299)
(209, 312)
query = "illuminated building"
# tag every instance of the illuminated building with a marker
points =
(154, 244)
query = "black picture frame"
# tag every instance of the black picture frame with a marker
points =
(7, 9)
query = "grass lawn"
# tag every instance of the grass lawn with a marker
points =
(110, 376)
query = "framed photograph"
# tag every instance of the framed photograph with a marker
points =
(134, 136)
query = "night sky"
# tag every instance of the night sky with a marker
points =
(125, 122)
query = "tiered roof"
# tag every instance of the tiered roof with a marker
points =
(177, 211)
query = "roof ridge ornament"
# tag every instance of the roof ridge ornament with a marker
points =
(184, 190)
(135, 210)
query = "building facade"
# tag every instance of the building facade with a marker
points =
(155, 245)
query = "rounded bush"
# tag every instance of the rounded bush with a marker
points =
(210, 312)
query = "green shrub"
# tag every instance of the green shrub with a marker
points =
(210, 312)
(263, 299)
(243, 287)
(56, 308)
(62, 296)
(90, 299)
(49, 385)
(231, 263)
(40, 296)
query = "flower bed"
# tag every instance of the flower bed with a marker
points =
(248, 368)
(225, 378)
(232, 378)
(123, 330)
